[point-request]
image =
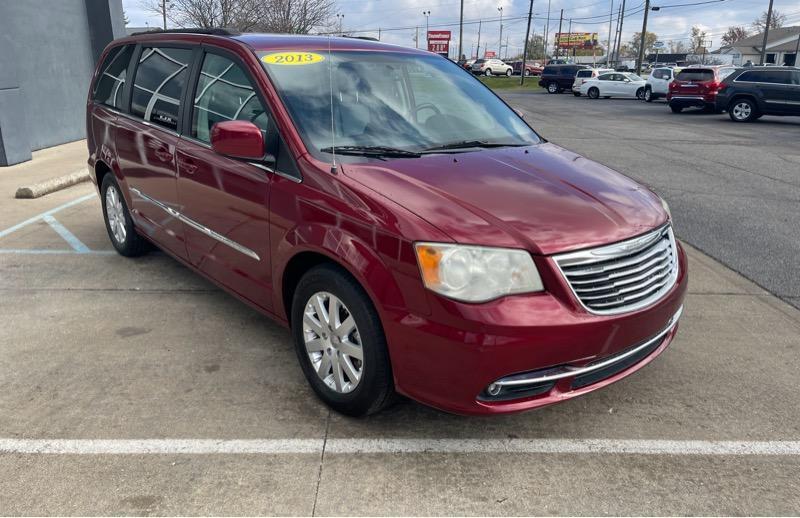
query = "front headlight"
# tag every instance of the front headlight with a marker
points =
(666, 207)
(476, 273)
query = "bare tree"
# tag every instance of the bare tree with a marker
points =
(734, 34)
(776, 22)
(284, 16)
(676, 47)
(698, 39)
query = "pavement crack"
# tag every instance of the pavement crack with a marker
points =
(321, 461)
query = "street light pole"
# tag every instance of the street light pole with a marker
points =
(500, 43)
(460, 32)
(525, 48)
(621, 20)
(478, 51)
(569, 37)
(642, 38)
(546, 32)
(558, 34)
(766, 34)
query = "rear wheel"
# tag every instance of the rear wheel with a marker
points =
(552, 87)
(593, 93)
(576, 94)
(640, 93)
(527, 73)
(488, 72)
(675, 109)
(743, 110)
(340, 342)
(118, 220)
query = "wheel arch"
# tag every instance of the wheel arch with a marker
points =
(744, 95)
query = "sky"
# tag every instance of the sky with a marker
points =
(397, 19)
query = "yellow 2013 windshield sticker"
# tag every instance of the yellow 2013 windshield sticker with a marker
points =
(292, 58)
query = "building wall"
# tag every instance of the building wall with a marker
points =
(48, 51)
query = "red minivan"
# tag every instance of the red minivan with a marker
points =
(410, 228)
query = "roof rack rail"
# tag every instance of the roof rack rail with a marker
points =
(368, 38)
(211, 32)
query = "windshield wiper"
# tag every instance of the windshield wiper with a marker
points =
(465, 144)
(376, 151)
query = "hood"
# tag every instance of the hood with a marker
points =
(542, 198)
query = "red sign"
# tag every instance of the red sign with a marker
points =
(439, 42)
(490, 54)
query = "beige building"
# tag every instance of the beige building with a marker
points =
(781, 48)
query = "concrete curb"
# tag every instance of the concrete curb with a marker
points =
(53, 184)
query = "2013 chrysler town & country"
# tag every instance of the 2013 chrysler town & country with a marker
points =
(416, 235)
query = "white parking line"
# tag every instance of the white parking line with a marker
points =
(388, 445)
(50, 212)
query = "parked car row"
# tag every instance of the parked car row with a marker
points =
(745, 93)
(497, 67)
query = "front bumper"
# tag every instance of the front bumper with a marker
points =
(543, 345)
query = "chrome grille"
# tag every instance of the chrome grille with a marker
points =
(624, 276)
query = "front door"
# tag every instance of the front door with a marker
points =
(225, 200)
(146, 141)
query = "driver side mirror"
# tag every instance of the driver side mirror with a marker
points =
(238, 139)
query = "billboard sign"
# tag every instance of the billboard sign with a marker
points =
(489, 54)
(439, 42)
(576, 40)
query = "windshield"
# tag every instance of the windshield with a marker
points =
(389, 100)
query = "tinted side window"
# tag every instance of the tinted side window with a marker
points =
(159, 83)
(224, 93)
(111, 81)
(584, 73)
(549, 70)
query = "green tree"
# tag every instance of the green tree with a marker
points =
(650, 39)
(535, 47)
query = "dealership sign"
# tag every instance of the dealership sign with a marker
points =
(439, 42)
(576, 40)
(658, 45)
(489, 54)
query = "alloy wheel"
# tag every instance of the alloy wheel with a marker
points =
(115, 213)
(552, 88)
(742, 111)
(332, 342)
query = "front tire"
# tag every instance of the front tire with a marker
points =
(509, 72)
(648, 95)
(593, 93)
(527, 73)
(675, 109)
(552, 88)
(576, 94)
(488, 72)
(743, 110)
(340, 342)
(119, 225)
(640, 93)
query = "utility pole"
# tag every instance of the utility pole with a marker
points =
(500, 43)
(766, 34)
(608, 45)
(478, 52)
(525, 49)
(613, 50)
(546, 32)
(460, 32)
(558, 34)
(621, 20)
(506, 46)
(569, 39)
(642, 39)
(427, 15)
(164, 12)
(379, 34)
(797, 51)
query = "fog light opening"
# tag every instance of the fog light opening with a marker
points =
(493, 389)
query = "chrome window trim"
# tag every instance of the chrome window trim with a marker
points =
(197, 226)
(568, 371)
(622, 248)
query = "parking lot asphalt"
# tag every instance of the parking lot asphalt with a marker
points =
(734, 188)
(136, 387)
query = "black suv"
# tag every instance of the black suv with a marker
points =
(557, 78)
(749, 93)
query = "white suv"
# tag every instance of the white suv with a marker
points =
(658, 82)
(587, 73)
(492, 67)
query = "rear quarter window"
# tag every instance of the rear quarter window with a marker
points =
(695, 74)
(159, 83)
(584, 73)
(110, 83)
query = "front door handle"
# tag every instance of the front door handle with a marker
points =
(187, 165)
(163, 154)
